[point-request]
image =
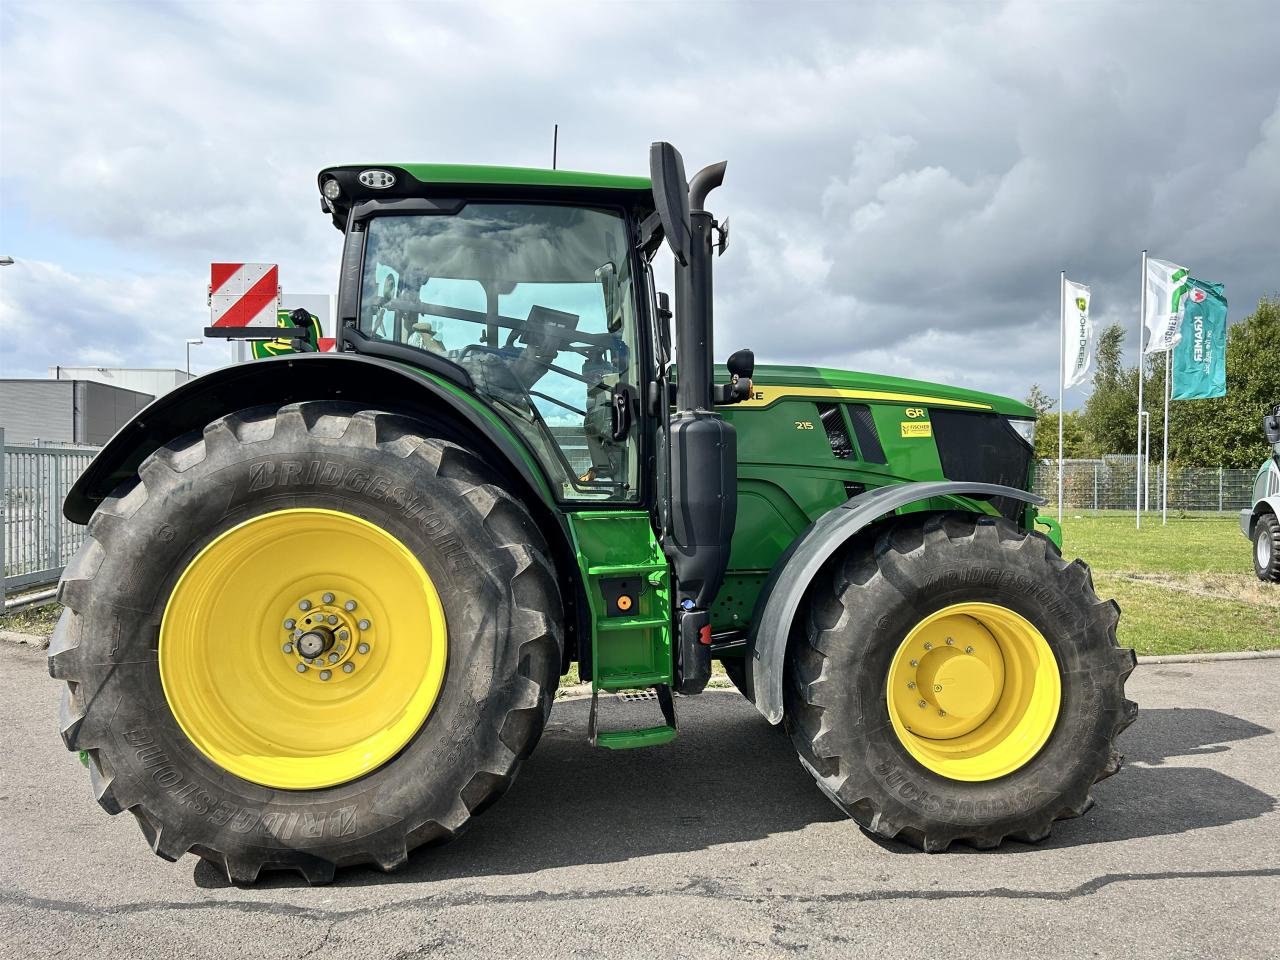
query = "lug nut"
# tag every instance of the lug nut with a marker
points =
(302, 668)
(911, 684)
(362, 648)
(928, 645)
(942, 713)
(327, 598)
(332, 619)
(968, 649)
(922, 704)
(349, 606)
(290, 623)
(333, 658)
(325, 674)
(304, 605)
(937, 688)
(348, 667)
(287, 648)
(915, 663)
(950, 642)
(363, 624)
(344, 635)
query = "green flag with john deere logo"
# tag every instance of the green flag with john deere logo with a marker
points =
(1200, 356)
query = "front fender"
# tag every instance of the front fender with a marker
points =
(369, 381)
(1249, 518)
(780, 598)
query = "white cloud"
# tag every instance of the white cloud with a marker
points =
(58, 317)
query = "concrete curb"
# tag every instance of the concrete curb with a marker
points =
(1211, 657)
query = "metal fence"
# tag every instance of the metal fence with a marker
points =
(1110, 484)
(36, 542)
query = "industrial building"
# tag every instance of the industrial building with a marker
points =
(66, 411)
(155, 381)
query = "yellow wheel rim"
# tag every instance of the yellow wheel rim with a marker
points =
(974, 691)
(302, 648)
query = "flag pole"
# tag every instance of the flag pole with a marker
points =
(1164, 474)
(1142, 316)
(1062, 376)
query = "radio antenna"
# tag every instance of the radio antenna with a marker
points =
(555, 144)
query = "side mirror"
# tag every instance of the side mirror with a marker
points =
(671, 198)
(1271, 427)
(607, 274)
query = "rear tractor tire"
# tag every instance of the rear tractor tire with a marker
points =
(958, 681)
(312, 637)
(1266, 548)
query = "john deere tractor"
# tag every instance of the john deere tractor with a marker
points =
(326, 598)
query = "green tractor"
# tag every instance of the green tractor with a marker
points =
(326, 598)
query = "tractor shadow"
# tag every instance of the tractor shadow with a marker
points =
(730, 777)
(1149, 798)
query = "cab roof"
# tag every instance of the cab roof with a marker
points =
(454, 179)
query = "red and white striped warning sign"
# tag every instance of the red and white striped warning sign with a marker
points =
(244, 294)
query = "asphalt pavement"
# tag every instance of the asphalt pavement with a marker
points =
(718, 845)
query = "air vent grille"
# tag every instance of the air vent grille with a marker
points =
(864, 428)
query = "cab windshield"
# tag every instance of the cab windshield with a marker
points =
(535, 302)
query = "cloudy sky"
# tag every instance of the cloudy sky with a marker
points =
(905, 180)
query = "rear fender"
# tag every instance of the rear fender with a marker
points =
(369, 381)
(783, 592)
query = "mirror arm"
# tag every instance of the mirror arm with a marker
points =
(650, 235)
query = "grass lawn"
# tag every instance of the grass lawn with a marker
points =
(1183, 588)
(36, 620)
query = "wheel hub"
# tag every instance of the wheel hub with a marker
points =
(329, 638)
(291, 671)
(973, 691)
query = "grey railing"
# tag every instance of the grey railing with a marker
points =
(36, 542)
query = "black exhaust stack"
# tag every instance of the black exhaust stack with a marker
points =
(703, 452)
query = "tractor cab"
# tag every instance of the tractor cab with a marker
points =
(524, 286)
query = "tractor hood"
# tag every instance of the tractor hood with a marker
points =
(774, 381)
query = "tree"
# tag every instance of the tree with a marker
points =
(1227, 431)
(1039, 401)
(1076, 443)
(1110, 414)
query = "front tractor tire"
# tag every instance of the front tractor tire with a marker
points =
(1266, 548)
(314, 636)
(957, 681)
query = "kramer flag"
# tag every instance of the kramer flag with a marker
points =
(1200, 357)
(1166, 286)
(1077, 334)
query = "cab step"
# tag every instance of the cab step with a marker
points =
(640, 736)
